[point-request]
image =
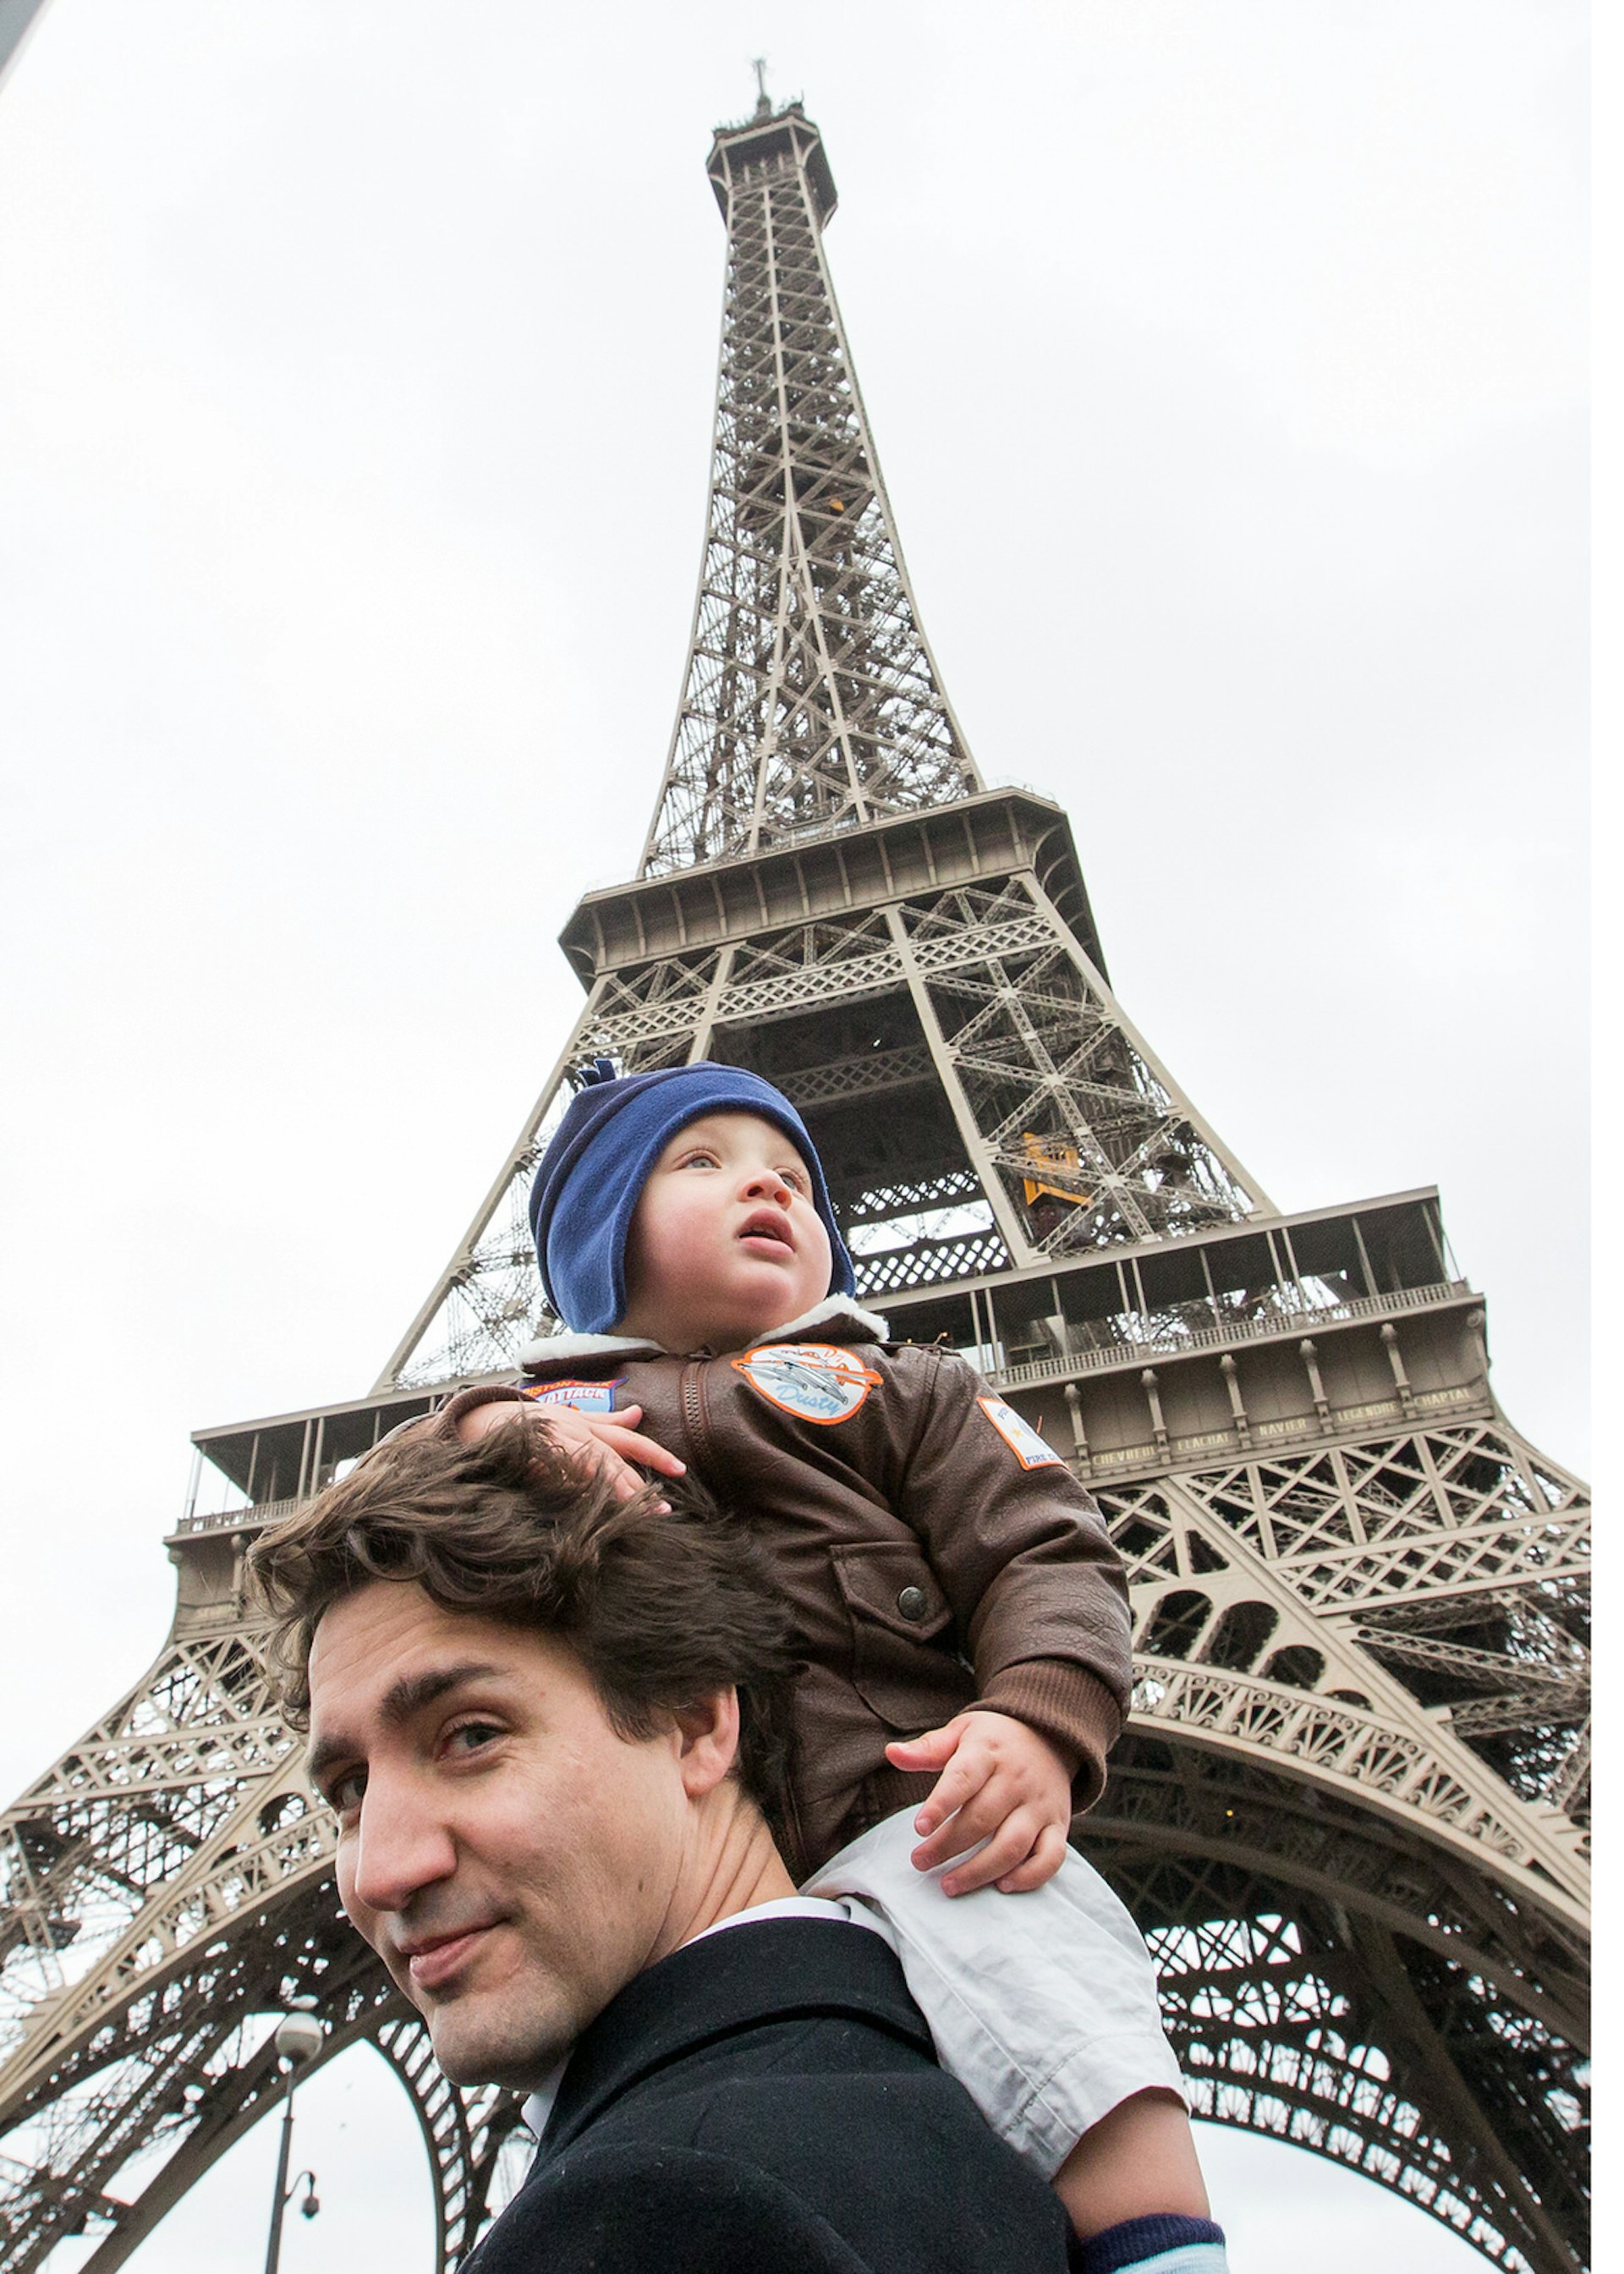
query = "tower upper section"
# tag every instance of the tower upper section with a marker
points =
(812, 702)
(742, 154)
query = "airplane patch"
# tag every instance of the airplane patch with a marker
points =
(585, 1396)
(1021, 1438)
(815, 1381)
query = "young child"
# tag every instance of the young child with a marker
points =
(949, 1574)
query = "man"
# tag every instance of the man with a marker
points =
(554, 1725)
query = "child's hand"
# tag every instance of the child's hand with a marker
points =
(596, 1441)
(1001, 1782)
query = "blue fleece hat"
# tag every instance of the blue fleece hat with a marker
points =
(593, 1171)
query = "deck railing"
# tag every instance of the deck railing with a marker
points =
(1092, 1358)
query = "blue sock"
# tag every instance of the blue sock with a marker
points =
(1165, 2243)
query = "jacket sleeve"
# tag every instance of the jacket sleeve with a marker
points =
(1025, 1560)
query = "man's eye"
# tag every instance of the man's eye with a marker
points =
(344, 1794)
(470, 1737)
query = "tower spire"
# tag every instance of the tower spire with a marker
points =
(811, 701)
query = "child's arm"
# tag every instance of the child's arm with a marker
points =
(1001, 1782)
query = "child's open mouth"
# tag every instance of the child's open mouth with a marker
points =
(768, 1229)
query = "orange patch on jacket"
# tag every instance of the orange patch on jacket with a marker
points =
(815, 1381)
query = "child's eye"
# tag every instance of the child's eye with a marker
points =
(796, 1178)
(700, 1158)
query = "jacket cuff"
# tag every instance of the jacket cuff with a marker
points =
(1067, 1704)
(442, 1424)
(466, 1401)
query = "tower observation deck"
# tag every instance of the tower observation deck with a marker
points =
(1350, 1812)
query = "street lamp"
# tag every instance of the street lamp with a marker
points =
(299, 2038)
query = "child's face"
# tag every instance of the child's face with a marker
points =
(725, 1243)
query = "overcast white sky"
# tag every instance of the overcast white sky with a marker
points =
(1227, 366)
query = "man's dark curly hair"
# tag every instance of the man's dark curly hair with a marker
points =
(662, 1607)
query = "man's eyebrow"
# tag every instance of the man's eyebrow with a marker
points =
(408, 1696)
(413, 1692)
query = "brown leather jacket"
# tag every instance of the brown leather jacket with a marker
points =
(938, 1554)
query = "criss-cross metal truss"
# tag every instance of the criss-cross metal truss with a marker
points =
(1351, 1810)
(983, 993)
(811, 701)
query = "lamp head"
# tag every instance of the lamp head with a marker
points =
(299, 2038)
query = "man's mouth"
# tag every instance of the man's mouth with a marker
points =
(432, 1959)
(768, 1229)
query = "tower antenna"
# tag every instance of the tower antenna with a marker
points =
(763, 100)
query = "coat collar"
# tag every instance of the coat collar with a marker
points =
(767, 1970)
(837, 1319)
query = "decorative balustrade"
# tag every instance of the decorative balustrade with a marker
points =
(1335, 1740)
(1097, 1357)
(241, 1519)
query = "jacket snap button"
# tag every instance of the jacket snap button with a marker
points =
(911, 1602)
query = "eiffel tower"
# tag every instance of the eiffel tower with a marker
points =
(1350, 1811)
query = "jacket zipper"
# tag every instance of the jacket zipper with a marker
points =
(695, 1418)
(698, 1422)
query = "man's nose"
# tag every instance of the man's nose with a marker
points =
(401, 1846)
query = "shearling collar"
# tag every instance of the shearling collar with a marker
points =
(834, 1313)
(557, 1350)
(837, 1319)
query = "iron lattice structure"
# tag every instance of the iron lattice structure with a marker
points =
(1350, 1812)
(811, 700)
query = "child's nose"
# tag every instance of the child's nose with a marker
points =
(766, 1183)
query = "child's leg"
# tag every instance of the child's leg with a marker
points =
(1044, 2006)
(1139, 2160)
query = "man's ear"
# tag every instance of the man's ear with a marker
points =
(708, 1747)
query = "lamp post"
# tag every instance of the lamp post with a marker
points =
(299, 2038)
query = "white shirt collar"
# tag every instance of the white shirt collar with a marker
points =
(849, 1913)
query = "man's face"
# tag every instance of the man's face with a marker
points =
(726, 1243)
(508, 1857)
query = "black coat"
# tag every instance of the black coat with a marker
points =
(766, 2101)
